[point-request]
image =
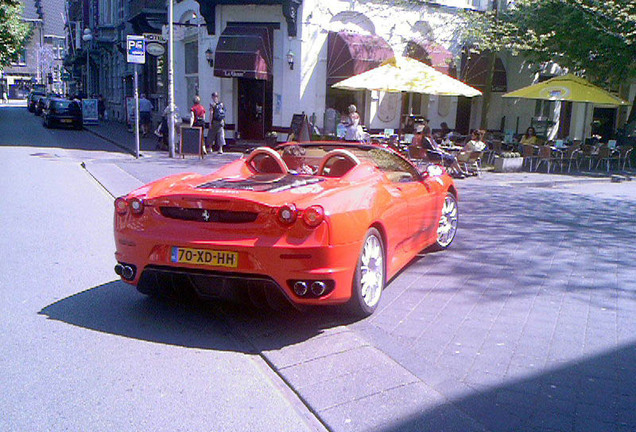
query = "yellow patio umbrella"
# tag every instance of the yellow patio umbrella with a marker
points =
(567, 88)
(404, 74)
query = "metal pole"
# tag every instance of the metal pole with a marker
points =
(171, 104)
(136, 113)
(88, 74)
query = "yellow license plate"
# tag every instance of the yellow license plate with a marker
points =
(66, 121)
(204, 257)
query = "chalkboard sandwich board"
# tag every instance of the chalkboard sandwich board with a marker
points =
(299, 128)
(191, 141)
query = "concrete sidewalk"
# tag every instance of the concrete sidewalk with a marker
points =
(118, 133)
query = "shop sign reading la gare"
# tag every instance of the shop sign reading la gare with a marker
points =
(234, 73)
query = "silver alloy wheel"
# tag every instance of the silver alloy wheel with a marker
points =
(447, 222)
(371, 271)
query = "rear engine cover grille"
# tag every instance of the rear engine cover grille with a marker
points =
(204, 215)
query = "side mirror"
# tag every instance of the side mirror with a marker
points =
(432, 170)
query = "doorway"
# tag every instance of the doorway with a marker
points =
(603, 122)
(462, 120)
(254, 108)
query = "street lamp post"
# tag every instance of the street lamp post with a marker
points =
(87, 37)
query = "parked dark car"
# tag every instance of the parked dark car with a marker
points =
(62, 112)
(42, 101)
(32, 99)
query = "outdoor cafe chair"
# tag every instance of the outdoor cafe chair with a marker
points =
(625, 156)
(570, 156)
(494, 148)
(527, 151)
(473, 164)
(416, 153)
(546, 157)
(607, 155)
(587, 154)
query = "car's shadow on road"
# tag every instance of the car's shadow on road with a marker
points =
(116, 308)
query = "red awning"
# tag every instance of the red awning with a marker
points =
(475, 73)
(244, 52)
(350, 54)
(432, 54)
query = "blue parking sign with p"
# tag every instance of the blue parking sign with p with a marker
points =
(135, 49)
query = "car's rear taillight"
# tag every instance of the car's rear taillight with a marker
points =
(136, 206)
(313, 216)
(121, 206)
(287, 214)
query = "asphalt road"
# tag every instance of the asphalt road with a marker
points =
(80, 350)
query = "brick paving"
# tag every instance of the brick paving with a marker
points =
(530, 313)
(527, 323)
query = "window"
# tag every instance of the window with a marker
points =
(397, 169)
(106, 12)
(192, 69)
(191, 57)
(21, 58)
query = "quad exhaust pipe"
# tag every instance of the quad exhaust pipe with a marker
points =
(125, 271)
(311, 288)
(318, 288)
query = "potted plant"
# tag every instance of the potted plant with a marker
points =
(508, 162)
(271, 138)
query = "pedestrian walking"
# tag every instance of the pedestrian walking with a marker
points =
(197, 119)
(216, 134)
(197, 113)
(145, 114)
(101, 107)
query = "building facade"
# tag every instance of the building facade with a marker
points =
(108, 73)
(41, 61)
(272, 59)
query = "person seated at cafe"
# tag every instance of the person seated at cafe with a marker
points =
(475, 144)
(412, 122)
(530, 137)
(294, 157)
(444, 132)
(435, 153)
(409, 125)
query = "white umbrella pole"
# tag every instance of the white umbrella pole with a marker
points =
(585, 123)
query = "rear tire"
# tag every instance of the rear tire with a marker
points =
(370, 275)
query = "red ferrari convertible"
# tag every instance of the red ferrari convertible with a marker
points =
(320, 223)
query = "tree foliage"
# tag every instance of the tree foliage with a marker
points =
(14, 33)
(597, 38)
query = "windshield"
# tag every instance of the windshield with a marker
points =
(306, 158)
(65, 105)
